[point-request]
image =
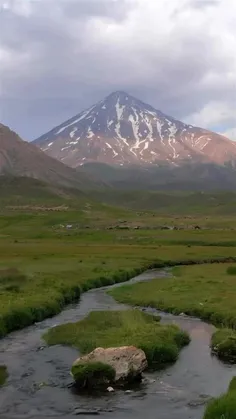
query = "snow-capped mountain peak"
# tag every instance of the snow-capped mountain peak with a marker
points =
(122, 130)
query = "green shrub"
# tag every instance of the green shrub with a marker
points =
(223, 344)
(11, 280)
(11, 275)
(161, 343)
(3, 374)
(231, 270)
(92, 374)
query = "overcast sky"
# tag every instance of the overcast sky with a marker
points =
(58, 57)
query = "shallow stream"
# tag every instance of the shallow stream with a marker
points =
(39, 384)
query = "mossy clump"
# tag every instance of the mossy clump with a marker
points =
(223, 345)
(92, 375)
(223, 407)
(161, 343)
(3, 374)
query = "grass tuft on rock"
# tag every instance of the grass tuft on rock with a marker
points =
(3, 374)
(160, 343)
(223, 345)
(92, 374)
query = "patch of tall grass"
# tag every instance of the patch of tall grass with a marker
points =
(231, 270)
(161, 344)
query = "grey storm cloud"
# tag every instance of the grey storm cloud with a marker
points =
(58, 57)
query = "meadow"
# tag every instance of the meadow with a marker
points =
(49, 255)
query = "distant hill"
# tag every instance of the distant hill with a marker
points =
(28, 194)
(121, 130)
(25, 191)
(187, 177)
(19, 158)
(169, 203)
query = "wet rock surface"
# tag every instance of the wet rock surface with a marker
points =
(40, 385)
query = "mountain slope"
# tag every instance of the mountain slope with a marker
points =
(188, 177)
(123, 130)
(19, 158)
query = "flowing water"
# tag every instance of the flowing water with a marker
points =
(39, 384)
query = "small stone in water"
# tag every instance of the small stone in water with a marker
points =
(86, 412)
(110, 389)
(41, 348)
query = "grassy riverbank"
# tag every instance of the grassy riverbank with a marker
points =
(208, 292)
(161, 344)
(3, 375)
(223, 344)
(45, 265)
(223, 407)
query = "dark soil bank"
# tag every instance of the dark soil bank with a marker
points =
(39, 380)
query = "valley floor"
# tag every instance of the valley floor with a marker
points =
(48, 259)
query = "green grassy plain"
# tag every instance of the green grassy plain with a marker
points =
(48, 264)
(57, 264)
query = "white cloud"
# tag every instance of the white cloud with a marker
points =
(214, 113)
(231, 134)
(63, 55)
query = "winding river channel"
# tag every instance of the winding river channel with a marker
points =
(39, 384)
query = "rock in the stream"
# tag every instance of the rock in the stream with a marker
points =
(127, 363)
(89, 412)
